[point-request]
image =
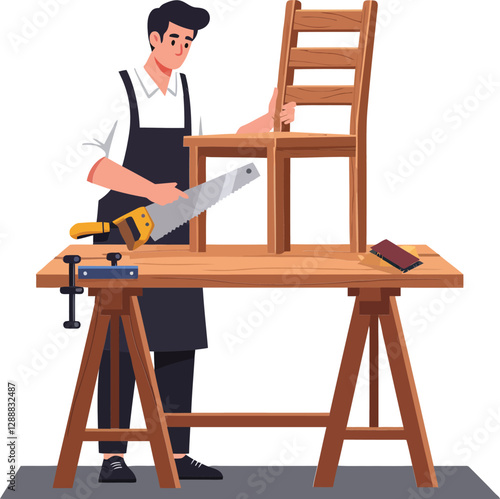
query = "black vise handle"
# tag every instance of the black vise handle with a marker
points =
(114, 258)
(71, 291)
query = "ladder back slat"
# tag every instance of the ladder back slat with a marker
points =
(318, 95)
(328, 20)
(323, 58)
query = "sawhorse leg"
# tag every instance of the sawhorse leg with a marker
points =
(152, 408)
(82, 398)
(406, 392)
(342, 399)
(116, 303)
(373, 305)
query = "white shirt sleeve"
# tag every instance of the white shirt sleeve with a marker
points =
(114, 145)
(198, 122)
(201, 127)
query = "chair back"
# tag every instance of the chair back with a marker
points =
(355, 58)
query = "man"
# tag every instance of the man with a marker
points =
(146, 162)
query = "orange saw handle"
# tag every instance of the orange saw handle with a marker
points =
(82, 230)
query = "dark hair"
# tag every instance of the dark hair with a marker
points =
(179, 13)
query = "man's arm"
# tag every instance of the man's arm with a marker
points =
(265, 123)
(111, 175)
(108, 171)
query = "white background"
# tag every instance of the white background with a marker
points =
(430, 60)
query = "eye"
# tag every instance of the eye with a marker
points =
(187, 45)
(173, 43)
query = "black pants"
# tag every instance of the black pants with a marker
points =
(174, 374)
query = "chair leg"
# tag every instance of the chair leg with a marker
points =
(406, 392)
(198, 225)
(286, 202)
(342, 399)
(357, 201)
(278, 199)
(82, 398)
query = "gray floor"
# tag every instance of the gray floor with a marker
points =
(248, 482)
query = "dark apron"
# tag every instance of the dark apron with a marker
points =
(174, 319)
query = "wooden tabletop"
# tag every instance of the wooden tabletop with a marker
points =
(309, 266)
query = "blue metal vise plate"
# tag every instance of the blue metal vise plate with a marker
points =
(109, 272)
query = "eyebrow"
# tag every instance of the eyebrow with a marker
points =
(189, 38)
(173, 35)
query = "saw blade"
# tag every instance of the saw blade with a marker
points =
(168, 217)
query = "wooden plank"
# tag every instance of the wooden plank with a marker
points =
(116, 434)
(342, 399)
(290, 279)
(320, 95)
(313, 141)
(232, 142)
(244, 150)
(198, 225)
(380, 433)
(327, 20)
(95, 253)
(285, 75)
(255, 145)
(322, 152)
(247, 420)
(406, 392)
(242, 420)
(242, 266)
(82, 398)
(323, 58)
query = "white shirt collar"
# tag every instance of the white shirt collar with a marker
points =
(150, 87)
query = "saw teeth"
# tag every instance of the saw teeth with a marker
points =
(202, 211)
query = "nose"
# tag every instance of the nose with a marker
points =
(181, 49)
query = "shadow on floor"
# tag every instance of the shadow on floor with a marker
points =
(249, 482)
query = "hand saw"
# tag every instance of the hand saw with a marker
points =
(156, 221)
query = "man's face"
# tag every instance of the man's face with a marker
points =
(173, 50)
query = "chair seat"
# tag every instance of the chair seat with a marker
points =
(295, 144)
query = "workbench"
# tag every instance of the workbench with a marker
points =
(373, 284)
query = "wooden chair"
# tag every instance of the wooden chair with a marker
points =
(282, 145)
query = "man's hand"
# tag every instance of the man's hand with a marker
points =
(287, 113)
(265, 123)
(163, 194)
(118, 178)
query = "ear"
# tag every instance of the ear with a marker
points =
(154, 39)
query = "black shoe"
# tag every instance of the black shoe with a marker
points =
(189, 469)
(114, 470)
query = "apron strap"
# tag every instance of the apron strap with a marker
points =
(187, 106)
(134, 110)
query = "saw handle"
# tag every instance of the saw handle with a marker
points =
(79, 231)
